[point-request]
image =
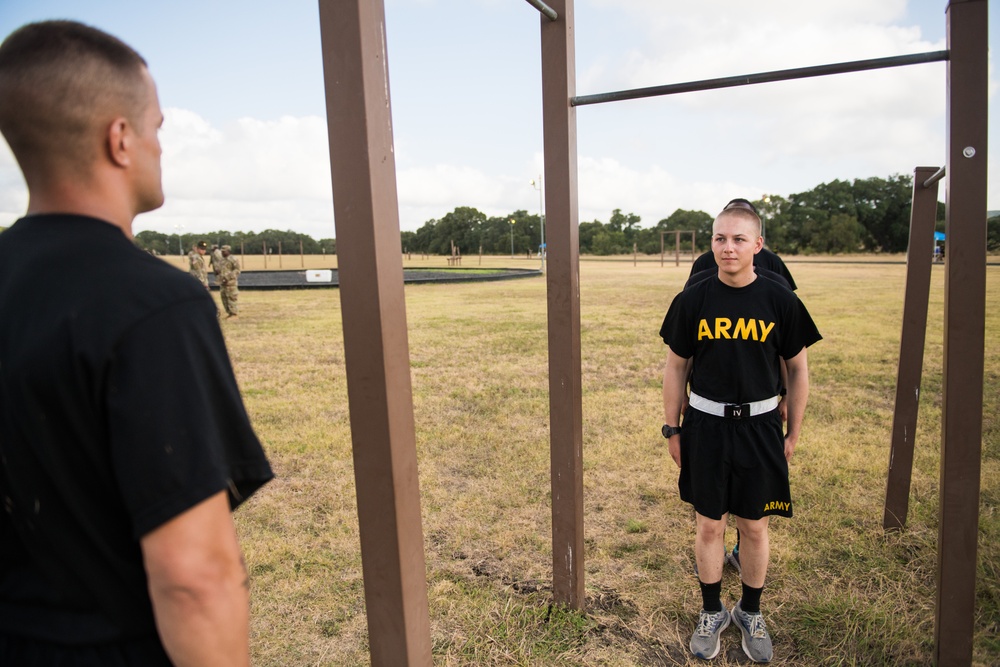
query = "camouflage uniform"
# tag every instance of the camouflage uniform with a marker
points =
(216, 259)
(229, 272)
(197, 267)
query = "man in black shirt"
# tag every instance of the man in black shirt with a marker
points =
(124, 443)
(729, 335)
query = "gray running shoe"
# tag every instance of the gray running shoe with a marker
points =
(705, 640)
(756, 641)
(734, 560)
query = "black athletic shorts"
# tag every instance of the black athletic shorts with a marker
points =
(734, 465)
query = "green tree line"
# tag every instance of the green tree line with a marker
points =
(864, 215)
(249, 243)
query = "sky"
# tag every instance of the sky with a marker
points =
(245, 143)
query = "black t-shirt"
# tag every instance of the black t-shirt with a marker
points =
(119, 410)
(736, 336)
(765, 259)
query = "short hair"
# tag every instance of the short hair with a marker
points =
(744, 209)
(59, 81)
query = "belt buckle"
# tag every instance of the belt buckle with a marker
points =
(736, 411)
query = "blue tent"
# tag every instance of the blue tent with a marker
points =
(939, 236)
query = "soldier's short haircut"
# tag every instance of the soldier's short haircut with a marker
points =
(59, 81)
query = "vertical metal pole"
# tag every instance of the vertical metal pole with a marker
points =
(964, 331)
(541, 218)
(563, 280)
(376, 350)
(923, 211)
(677, 248)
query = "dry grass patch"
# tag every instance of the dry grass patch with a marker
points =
(840, 592)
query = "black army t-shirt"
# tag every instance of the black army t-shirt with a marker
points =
(737, 336)
(119, 410)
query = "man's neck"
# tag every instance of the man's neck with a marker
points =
(741, 279)
(79, 202)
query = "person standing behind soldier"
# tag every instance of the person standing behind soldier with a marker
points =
(229, 273)
(216, 260)
(728, 336)
(197, 264)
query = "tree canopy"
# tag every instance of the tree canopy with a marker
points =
(864, 215)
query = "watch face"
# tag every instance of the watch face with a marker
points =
(669, 431)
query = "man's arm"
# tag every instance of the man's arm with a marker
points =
(198, 584)
(675, 376)
(798, 394)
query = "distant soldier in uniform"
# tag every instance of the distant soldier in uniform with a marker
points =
(197, 264)
(216, 259)
(229, 273)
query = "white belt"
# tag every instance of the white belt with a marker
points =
(733, 410)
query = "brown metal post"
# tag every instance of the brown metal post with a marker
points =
(280, 264)
(692, 246)
(563, 280)
(964, 331)
(923, 211)
(376, 350)
(264, 246)
(677, 248)
(661, 249)
(302, 255)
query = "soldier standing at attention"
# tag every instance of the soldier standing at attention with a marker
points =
(229, 273)
(197, 264)
(729, 335)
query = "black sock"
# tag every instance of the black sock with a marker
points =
(751, 599)
(711, 596)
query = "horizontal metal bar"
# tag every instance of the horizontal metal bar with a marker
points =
(934, 178)
(762, 77)
(544, 8)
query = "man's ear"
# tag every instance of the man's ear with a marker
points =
(118, 140)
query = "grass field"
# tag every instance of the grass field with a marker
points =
(839, 592)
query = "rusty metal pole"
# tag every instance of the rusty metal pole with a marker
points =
(677, 248)
(964, 331)
(376, 350)
(563, 280)
(923, 211)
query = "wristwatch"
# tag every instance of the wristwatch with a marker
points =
(669, 431)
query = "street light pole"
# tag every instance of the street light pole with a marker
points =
(180, 245)
(541, 217)
(512, 238)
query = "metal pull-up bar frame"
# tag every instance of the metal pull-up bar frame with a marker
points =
(761, 77)
(544, 8)
(375, 331)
